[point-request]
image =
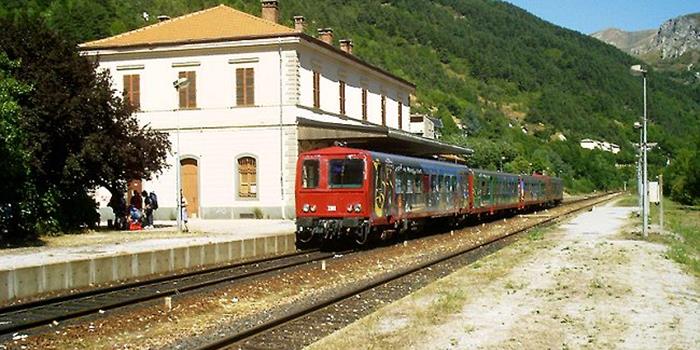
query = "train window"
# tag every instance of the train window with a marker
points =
(346, 173)
(434, 183)
(399, 181)
(309, 174)
(409, 183)
(418, 184)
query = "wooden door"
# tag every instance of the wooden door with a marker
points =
(190, 185)
(133, 185)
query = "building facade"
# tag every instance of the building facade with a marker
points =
(240, 96)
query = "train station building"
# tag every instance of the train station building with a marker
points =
(252, 95)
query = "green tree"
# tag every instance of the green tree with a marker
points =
(76, 133)
(17, 208)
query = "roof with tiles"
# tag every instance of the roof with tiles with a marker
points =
(216, 23)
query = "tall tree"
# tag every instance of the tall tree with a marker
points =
(16, 192)
(77, 133)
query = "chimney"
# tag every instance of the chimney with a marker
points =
(326, 35)
(346, 45)
(270, 10)
(299, 24)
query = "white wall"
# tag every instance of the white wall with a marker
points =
(218, 131)
(216, 76)
(217, 152)
(334, 68)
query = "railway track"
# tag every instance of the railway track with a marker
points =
(280, 331)
(24, 317)
(30, 317)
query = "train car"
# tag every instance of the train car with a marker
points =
(350, 192)
(495, 191)
(359, 194)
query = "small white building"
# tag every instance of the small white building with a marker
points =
(425, 126)
(601, 145)
(257, 93)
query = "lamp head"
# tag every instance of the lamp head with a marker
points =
(181, 83)
(637, 125)
(638, 70)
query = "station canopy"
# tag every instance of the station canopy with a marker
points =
(315, 133)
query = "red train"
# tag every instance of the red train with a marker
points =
(363, 194)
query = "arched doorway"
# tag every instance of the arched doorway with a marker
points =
(190, 185)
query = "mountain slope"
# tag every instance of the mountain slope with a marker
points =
(487, 64)
(631, 42)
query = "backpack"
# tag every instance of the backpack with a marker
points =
(154, 200)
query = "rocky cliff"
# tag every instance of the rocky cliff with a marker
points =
(673, 39)
(630, 42)
(677, 36)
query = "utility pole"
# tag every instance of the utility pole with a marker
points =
(178, 84)
(645, 174)
(638, 70)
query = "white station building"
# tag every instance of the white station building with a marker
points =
(256, 94)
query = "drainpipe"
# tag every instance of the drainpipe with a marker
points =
(282, 206)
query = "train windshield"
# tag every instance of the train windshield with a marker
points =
(346, 173)
(310, 173)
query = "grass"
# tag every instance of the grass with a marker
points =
(628, 200)
(683, 225)
(684, 246)
(535, 234)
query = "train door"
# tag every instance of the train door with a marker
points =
(383, 189)
(470, 189)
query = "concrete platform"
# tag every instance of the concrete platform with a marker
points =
(28, 272)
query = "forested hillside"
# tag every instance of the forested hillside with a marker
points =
(488, 66)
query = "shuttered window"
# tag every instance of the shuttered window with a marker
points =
(245, 87)
(341, 94)
(317, 90)
(247, 178)
(400, 115)
(364, 104)
(132, 90)
(188, 94)
(383, 110)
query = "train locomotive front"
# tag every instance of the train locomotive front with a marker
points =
(333, 195)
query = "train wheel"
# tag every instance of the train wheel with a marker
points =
(362, 237)
(305, 241)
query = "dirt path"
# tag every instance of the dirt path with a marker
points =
(582, 285)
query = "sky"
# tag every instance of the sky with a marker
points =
(588, 16)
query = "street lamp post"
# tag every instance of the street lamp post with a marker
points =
(178, 84)
(640, 185)
(638, 70)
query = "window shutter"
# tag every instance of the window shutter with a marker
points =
(132, 93)
(192, 90)
(364, 104)
(341, 95)
(383, 110)
(317, 92)
(240, 88)
(400, 115)
(250, 86)
(127, 88)
(183, 91)
(136, 91)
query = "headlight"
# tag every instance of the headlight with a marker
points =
(313, 208)
(349, 208)
(305, 208)
(358, 207)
